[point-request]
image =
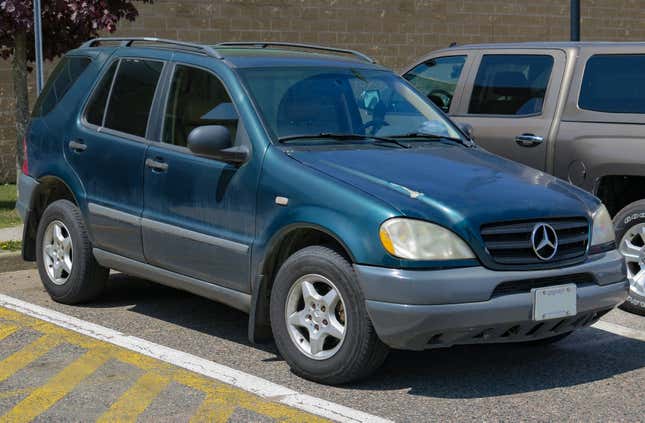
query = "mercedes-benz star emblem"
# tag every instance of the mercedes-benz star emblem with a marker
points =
(544, 241)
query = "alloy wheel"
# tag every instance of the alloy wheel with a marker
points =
(632, 247)
(57, 252)
(315, 316)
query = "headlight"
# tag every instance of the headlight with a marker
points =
(417, 240)
(603, 227)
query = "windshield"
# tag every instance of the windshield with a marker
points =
(311, 101)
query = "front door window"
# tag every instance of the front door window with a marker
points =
(437, 79)
(196, 98)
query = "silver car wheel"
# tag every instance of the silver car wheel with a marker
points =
(57, 252)
(315, 316)
(632, 247)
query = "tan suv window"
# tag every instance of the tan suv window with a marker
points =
(614, 83)
(437, 79)
(511, 84)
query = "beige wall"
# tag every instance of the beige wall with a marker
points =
(393, 31)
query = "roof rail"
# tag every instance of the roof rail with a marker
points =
(127, 42)
(265, 44)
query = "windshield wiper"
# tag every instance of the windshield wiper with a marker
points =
(329, 135)
(467, 143)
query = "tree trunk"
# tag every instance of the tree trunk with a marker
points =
(21, 92)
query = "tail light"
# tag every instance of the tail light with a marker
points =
(25, 157)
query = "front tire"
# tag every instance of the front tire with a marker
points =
(67, 267)
(319, 319)
(629, 225)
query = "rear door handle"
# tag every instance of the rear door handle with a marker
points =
(529, 140)
(156, 165)
(77, 146)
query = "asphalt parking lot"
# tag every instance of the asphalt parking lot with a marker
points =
(594, 375)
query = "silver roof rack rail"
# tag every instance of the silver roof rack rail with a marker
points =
(128, 41)
(265, 44)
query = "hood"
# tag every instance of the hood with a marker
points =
(457, 187)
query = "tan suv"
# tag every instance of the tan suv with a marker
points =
(572, 109)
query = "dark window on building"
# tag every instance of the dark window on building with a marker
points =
(437, 79)
(96, 107)
(511, 84)
(61, 80)
(196, 98)
(132, 94)
(614, 83)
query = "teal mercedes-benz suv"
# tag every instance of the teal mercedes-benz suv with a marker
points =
(311, 188)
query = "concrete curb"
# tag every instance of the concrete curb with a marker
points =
(11, 233)
(12, 261)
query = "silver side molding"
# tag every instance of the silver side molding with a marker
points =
(113, 214)
(173, 230)
(195, 236)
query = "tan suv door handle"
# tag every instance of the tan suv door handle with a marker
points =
(529, 140)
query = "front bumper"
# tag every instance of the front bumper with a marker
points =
(417, 310)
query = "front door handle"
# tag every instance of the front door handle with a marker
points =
(77, 146)
(156, 165)
(529, 140)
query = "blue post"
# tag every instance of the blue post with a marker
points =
(38, 36)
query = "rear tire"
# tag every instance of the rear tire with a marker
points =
(334, 360)
(629, 225)
(67, 267)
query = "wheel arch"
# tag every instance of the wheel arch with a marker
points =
(617, 191)
(283, 244)
(50, 188)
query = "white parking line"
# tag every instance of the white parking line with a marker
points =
(239, 379)
(620, 330)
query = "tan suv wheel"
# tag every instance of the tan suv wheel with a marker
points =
(630, 237)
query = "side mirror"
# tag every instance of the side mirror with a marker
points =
(466, 129)
(214, 141)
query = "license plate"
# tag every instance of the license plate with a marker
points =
(554, 302)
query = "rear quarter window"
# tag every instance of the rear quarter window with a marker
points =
(68, 70)
(614, 83)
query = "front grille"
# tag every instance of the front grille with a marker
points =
(525, 285)
(509, 243)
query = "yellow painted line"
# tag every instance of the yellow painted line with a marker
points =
(42, 398)
(65, 335)
(220, 396)
(219, 403)
(28, 354)
(6, 330)
(136, 399)
(213, 409)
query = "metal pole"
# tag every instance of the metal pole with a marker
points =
(38, 37)
(575, 20)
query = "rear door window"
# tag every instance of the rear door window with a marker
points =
(61, 80)
(437, 79)
(614, 83)
(511, 84)
(132, 94)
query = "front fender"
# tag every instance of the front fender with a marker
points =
(314, 201)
